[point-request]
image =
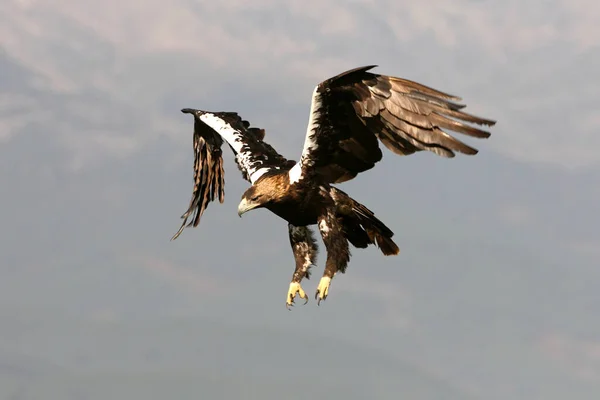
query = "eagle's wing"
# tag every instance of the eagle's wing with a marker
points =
(352, 111)
(253, 156)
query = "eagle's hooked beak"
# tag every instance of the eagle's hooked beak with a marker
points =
(246, 206)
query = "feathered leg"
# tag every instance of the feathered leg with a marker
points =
(338, 253)
(305, 251)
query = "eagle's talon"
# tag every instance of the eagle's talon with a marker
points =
(295, 289)
(322, 289)
(320, 299)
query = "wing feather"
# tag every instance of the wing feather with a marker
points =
(428, 135)
(394, 142)
(253, 157)
(352, 111)
(209, 181)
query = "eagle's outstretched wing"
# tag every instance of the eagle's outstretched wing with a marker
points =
(253, 156)
(352, 111)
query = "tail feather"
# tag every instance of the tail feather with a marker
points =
(363, 228)
(385, 243)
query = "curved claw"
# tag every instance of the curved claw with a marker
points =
(322, 289)
(320, 299)
(295, 289)
(289, 303)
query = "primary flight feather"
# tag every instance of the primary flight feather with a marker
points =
(349, 115)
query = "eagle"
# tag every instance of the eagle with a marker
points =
(350, 114)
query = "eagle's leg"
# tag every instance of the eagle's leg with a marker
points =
(338, 253)
(305, 251)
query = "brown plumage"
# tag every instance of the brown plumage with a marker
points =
(359, 107)
(209, 177)
(350, 114)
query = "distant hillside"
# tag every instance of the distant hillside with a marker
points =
(204, 358)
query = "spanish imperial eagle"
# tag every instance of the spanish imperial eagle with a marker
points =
(349, 114)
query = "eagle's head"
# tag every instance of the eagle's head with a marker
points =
(254, 197)
(267, 190)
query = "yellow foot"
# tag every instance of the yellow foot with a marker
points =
(295, 289)
(322, 289)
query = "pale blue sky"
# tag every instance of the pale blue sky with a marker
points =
(493, 296)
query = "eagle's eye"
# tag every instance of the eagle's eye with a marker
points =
(255, 197)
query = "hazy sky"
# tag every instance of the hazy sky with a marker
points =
(494, 294)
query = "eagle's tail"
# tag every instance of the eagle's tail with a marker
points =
(362, 228)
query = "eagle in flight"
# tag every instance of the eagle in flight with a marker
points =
(349, 115)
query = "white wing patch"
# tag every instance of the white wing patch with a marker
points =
(235, 138)
(310, 142)
(295, 173)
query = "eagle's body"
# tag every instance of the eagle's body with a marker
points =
(350, 114)
(297, 203)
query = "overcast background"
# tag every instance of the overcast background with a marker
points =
(493, 296)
